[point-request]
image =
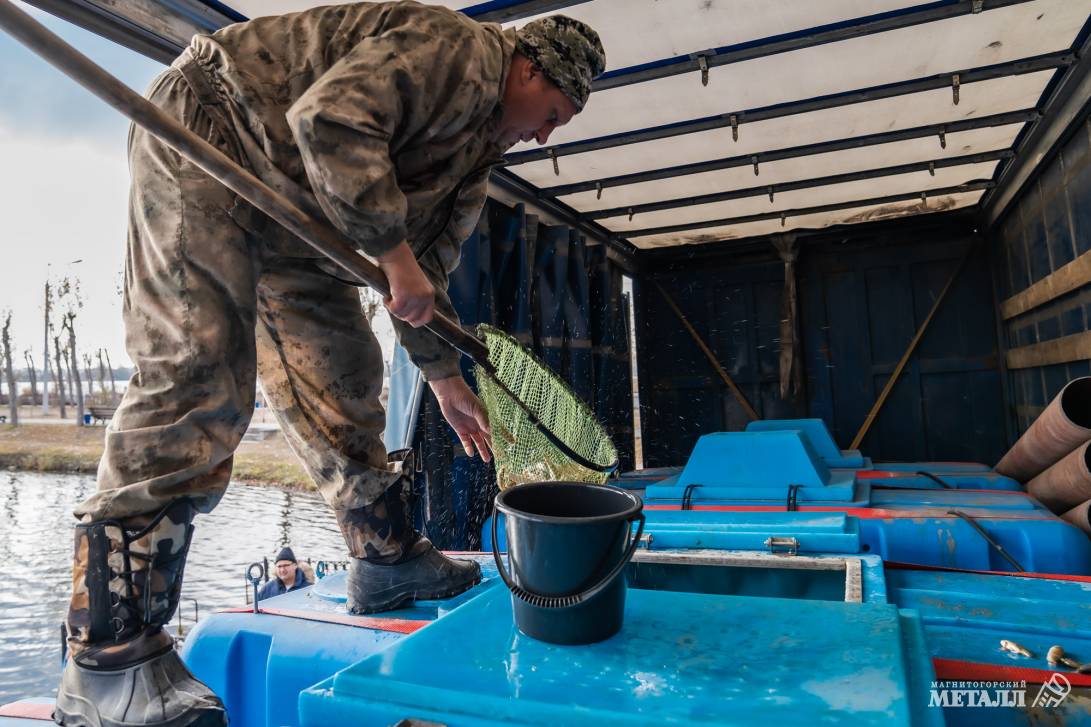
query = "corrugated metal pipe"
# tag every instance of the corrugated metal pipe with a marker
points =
(1062, 427)
(1080, 516)
(1067, 483)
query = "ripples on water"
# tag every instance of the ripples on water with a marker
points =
(36, 550)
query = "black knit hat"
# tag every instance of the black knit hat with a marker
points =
(285, 554)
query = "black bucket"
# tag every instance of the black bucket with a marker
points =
(568, 544)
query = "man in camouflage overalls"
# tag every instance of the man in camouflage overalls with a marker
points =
(385, 118)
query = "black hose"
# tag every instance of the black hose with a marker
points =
(988, 539)
(935, 479)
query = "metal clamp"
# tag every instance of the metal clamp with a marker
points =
(556, 166)
(255, 579)
(598, 190)
(702, 63)
(734, 119)
(754, 161)
(943, 138)
(976, 6)
(954, 88)
(782, 545)
(646, 541)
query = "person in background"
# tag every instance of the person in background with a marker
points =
(289, 576)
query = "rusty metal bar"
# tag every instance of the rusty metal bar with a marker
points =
(1080, 516)
(1063, 426)
(1066, 483)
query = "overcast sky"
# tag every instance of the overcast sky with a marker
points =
(63, 188)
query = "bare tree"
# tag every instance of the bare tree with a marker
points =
(33, 374)
(68, 295)
(70, 327)
(113, 384)
(9, 370)
(60, 367)
(102, 375)
(88, 371)
(45, 349)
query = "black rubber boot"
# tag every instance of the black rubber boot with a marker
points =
(427, 574)
(391, 562)
(123, 669)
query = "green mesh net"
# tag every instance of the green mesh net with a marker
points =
(522, 452)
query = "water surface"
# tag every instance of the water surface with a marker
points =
(36, 550)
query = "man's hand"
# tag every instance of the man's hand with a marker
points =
(412, 297)
(464, 412)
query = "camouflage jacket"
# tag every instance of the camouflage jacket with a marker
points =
(377, 115)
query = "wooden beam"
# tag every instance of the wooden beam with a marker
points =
(870, 419)
(1066, 349)
(739, 396)
(1065, 279)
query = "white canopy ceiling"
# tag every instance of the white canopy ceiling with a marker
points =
(799, 85)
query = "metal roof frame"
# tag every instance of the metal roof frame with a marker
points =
(764, 157)
(161, 28)
(773, 189)
(505, 11)
(704, 61)
(798, 212)
(1066, 103)
(735, 119)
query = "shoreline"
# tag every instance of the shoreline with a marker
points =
(70, 449)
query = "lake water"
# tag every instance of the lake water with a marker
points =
(36, 549)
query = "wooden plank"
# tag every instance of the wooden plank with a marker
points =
(739, 396)
(1066, 349)
(1029, 411)
(1065, 279)
(909, 352)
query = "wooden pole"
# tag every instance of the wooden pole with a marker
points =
(870, 419)
(739, 396)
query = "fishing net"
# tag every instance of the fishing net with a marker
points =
(568, 431)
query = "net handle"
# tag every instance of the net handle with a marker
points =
(321, 236)
(552, 602)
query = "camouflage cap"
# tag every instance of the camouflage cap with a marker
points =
(568, 51)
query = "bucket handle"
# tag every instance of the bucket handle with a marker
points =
(542, 601)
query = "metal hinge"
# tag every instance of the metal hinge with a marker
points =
(782, 545)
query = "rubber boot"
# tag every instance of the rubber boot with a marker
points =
(123, 669)
(392, 564)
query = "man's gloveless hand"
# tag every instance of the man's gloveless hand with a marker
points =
(412, 297)
(466, 415)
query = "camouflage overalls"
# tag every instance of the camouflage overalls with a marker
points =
(215, 291)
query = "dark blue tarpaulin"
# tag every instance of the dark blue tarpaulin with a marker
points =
(563, 298)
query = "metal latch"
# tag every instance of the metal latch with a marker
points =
(782, 545)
